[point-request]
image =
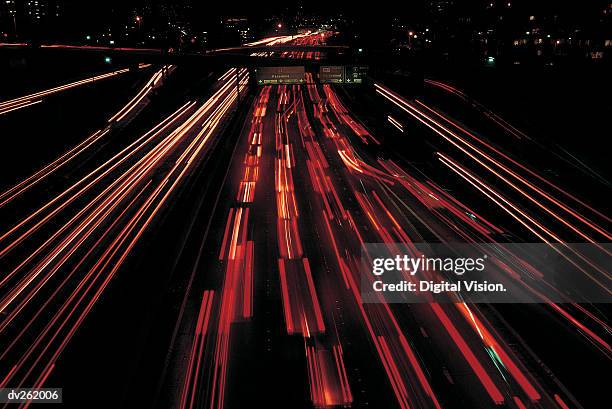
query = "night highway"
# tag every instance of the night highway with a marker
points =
(206, 208)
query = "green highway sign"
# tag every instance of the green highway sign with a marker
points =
(280, 75)
(341, 74)
(355, 74)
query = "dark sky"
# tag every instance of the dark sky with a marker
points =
(349, 6)
(89, 11)
(212, 8)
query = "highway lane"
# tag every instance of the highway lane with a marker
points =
(590, 324)
(61, 257)
(119, 119)
(64, 125)
(268, 308)
(546, 211)
(197, 374)
(439, 203)
(389, 229)
(297, 240)
(556, 132)
(306, 39)
(15, 104)
(87, 231)
(542, 188)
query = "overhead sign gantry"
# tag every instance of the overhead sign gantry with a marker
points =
(280, 75)
(295, 75)
(343, 74)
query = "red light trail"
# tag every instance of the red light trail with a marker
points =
(305, 190)
(62, 284)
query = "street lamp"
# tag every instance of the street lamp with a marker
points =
(12, 12)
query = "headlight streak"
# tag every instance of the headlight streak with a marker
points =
(490, 114)
(451, 137)
(236, 296)
(302, 305)
(589, 333)
(395, 123)
(20, 188)
(330, 197)
(100, 172)
(374, 316)
(151, 85)
(523, 218)
(463, 145)
(104, 232)
(509, 363)
(27, 100)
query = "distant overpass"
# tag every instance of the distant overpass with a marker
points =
(282, 47)
(233, 56)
